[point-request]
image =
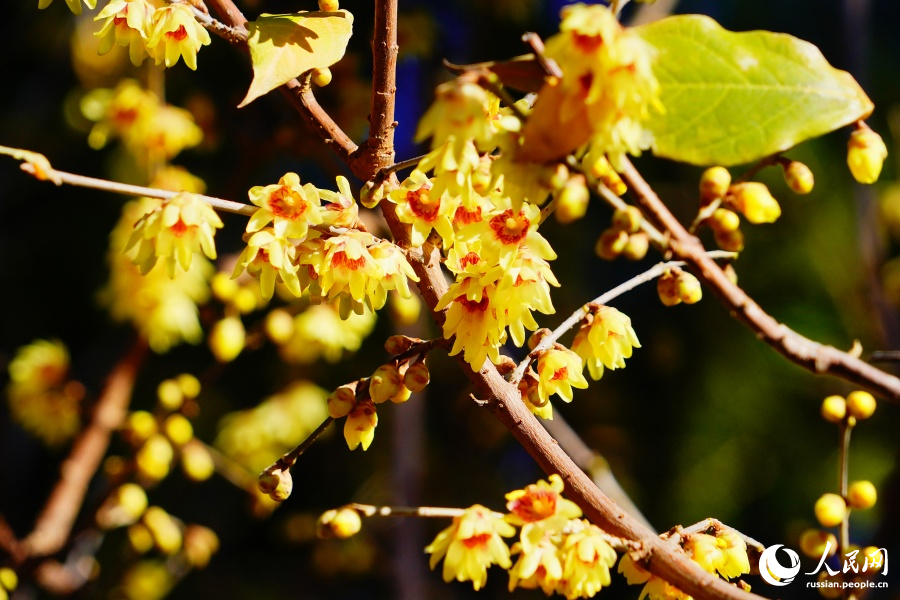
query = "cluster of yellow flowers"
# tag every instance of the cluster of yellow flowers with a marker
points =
(42, 399)
(557, 551)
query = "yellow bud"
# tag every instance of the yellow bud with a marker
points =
(865, 155)
(799, 177)
(573, 200)
(637, 246)
(405, 311)
(830, 510)
(370, 195)
(731, 241)
(8, 579)
(227, 339)
(688, 288)
(170, 395)
(402, 395)
(178, 429)
(724, 221)
(166, 532)
(755, 202)
(132, 499)
(342, 523)
(154, 458)
(200, 543)
(417, 377)
(196, 461)
(611, 244)
(862, 495)
(190, 385)
(279, 326)
(359, 428)
(628, 219)
(139, 538)
(834, 408)
(224, 287)
(139, 427)
(714, 184)
(277, 483)
(384, 383)
(328, 5)
(245, 300)
(555, 176)
(398, 344)
(814, 541)
(341, 402)
(321, 77)
(861, 404)
(667, 288)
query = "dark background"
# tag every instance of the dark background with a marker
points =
(705, 421)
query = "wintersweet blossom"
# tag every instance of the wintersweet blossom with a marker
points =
(270, 257)
(179, 227)
(559, 370)
(540, 501)
(471, 544)
(292, 207)
(605, 339)
(396, 273)
(128, 24)
(74, 5)
(462, 110)
(539, 566)
(176, 34)
(422, 210)
(503, 232)
(475, 319)
(359, 428)
(587, 558)
(654, 588)
(725, 553)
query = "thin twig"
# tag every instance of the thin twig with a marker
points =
(53, 525)
(843, 480)
(604, 298)
(137, 190)
(703, 214)
(386, 172)
(288, 460)
(370, 510)
(813, 356)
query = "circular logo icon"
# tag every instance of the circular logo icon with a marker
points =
(770, 568)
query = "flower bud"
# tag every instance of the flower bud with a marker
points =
(140, 539)
(359, 428)
(341, 523)
(814, 541)
(798, 177)
(279, 326)
(178, 429)
(200, 543)
(196, 461)
(556, 176)
(862, 495)
(602, 170)
(404, 311)
(8, 579)
(247, 300)
(170, 395)
(402, 395)
(277, 483)
(830, 510)
(328, 5)
(227, 339)
(731, 241)
(861, 404)
(834, 408)
(627, 219)
(865, 155)
(730, 273)
(154, 458)
(139, 426)
(688, 288)
(724, 221)
(322, 76)
(417, 377)
(123, 507)
(384, 383)
(398, 344)
(611, 244)
(224, 287)
(714, 184)
(190, 385)
(637, 246)
(166, 532)
(370, 195)
(755, 202)
(573, 200)
(341, 402)
(667, 288)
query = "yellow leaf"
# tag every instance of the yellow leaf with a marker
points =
(284, 46)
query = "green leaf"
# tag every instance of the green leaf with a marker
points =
(284, 46)
(734, 98)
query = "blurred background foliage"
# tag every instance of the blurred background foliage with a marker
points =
(705, 421)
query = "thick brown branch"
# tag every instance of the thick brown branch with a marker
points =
(815, 357)
(56, 519)
(379, 148)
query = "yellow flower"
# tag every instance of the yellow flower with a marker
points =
(526, 285)
(471, 544)
(359, 428)
(454, 165)
(74, 5)
(473, 318)
(176, 34)
(346, 267)
(291, 206)
(605, 338)
(538, 565)
(504, 231)
(754, 200)
(182, 225)
(270, 257)
(655, 588)
(540, 501)
(422, 210)
(587, 558)
(127, 24)
(341, 209)
(725, 553)
(396, 272)
(462, 110)
(39, 366)
(320, 332)
(865, 154)
(559, 371)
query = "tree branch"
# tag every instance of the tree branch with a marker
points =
(58, 516)
(379, 148)
(813, 356)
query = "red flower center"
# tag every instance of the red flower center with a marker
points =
(510, 228)
(561, 373)
(472, 306)
(465, 217)
(178, 35)
(422, 205)
(476, 541)
(287, 204)
(587, 43)
(535, 505)
(179, 228)
(341, 260)
(471, 258)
